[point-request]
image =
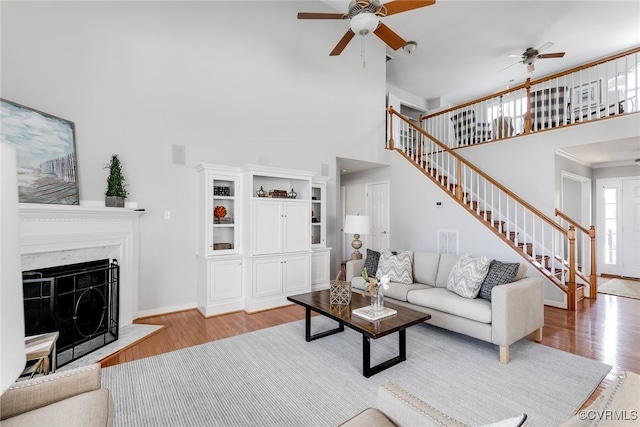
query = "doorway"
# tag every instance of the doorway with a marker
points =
(377, 208)
(618, 207)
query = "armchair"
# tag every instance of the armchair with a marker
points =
(550, 107)
(72, 397)
(467, 130)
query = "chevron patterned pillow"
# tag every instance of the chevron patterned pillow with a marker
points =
(399, 267)
(467, 275)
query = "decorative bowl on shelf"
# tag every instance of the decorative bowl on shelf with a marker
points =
(220, 212)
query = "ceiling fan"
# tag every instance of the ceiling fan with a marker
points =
(530, 56)
(364, 17)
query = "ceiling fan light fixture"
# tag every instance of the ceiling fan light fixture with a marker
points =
(364, 23)
(410, 46)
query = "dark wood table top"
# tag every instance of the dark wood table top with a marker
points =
(318, 301)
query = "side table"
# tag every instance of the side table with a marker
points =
(42, 349)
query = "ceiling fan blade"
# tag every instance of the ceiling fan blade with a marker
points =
(514, 56)
(319, 15)
(551, 55)
(515, 63)
(545, 46)
(394, 7)
(387, 35)
(344, 41)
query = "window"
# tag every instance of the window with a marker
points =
(610, 225)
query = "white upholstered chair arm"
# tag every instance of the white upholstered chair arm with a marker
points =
(32, 394)
(354, 269)
(517, 309)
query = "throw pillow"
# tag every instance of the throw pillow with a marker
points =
(500, 273)
(467, 275)
(399, 267)
(371, 262)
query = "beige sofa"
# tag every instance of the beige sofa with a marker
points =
(67, 398)
(515, 310)
(617, 405)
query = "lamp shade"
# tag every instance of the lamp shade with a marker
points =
(12, 355)
(357, 224)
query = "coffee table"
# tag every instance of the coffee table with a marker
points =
(318, 302)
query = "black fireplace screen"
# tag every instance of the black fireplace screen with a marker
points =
(79, 301)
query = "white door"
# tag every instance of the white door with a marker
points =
(630, 237)
(377, 199)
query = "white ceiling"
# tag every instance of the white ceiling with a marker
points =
(464, 46)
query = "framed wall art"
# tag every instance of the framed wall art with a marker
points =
(46, 154)
(588, 95)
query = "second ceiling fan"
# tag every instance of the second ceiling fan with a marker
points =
(530, 56)
(364, 17)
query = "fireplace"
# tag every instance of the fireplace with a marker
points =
(80, 301)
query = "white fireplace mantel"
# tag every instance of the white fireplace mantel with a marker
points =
(53, 235)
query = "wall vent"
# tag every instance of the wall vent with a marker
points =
(448, 241)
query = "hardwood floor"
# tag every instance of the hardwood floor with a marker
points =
(606, 329)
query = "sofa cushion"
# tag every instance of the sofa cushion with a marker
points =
(500, 273)
(371, 262)
(399, 291)
(425, 267)
(467, 275)
(399, 267)
(522, 272)
(441, 299)
(447, 261)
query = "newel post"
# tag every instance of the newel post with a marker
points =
(527, 121)
(391, 144)
(571, 296)
(593, 279)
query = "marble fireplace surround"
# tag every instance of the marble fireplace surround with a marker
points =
(54, 235)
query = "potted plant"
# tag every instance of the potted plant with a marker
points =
(116, 192)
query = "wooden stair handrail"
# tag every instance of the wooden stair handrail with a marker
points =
(572, 221)
(479, 172)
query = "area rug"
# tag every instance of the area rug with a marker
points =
(272, 377)
(621, 288)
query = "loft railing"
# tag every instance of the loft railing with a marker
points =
(600, 89)
(548, 246)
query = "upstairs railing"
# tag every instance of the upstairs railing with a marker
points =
(548, 246)
(600, 89)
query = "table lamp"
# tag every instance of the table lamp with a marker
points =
(12, 355)
(357, 225)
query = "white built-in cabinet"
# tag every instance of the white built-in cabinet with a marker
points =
(321, 257)
(267, 245)
(220, 262)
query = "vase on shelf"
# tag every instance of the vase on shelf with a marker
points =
(377, 302)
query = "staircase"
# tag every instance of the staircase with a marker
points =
(543, 242)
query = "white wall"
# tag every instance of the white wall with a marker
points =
(233, 82)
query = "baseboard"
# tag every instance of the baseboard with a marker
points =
(164, 310)
(556, 304)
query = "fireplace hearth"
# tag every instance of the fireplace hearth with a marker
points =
(79, 301)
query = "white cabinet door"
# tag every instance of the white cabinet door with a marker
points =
(297, 227)
(297, 273)
(225, 279)
(267, 276)
(267, 227)
(320, 269)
